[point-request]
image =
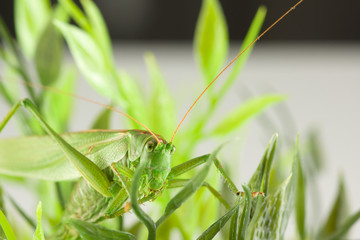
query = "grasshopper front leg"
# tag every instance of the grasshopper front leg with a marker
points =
(90, 171)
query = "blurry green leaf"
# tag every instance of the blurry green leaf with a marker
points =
(90, 231)
(31, 18)
(56, 106)
(27, 218)
(2, 208)
(5, 94)
(300, 198)
(315, 152)
(131, 99)
(76, 13)
(343, 229)
(251, 35)
(51, 208)
(89, 58)
(219, 224)
(48, 55)
(6, 227)
(244, 112)
(9, 52)
(39, 232)
(102, 121)
(338, 214)
(161, 107)
(211, 39)
(98, 27)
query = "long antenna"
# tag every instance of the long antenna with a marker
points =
(232, 61)
(36, 85)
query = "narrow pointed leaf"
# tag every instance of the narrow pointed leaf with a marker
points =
(211, 39)
(102, 121)
(27, 218)
(31, 18)
(272, 213)
(161, 109)
(48, 54)
(251, 35)
(189, 189)
(337, 215)
(75, 12)
(300, 198)
(219, 224)
(263, 169)
(244, 112)
(9, 233)
(57, 107)
(90, 231)
(39, 232)
(245, 220)
(98, 27)
(89, 58)
(343, 229)
(131, 99)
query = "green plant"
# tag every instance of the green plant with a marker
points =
(89, 43)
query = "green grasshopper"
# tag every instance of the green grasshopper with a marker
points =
(115, 165)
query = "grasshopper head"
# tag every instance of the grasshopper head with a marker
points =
(160, 155)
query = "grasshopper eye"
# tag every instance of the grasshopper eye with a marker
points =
(150, 146)
(172, 151)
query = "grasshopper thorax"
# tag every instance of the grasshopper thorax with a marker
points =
(157, 155)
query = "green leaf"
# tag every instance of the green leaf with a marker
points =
(57, 107)
(337, 215)
(258, 182)
(300, 198)
(48, 55)
(244, 112)
(162, 108)
(211, 39)
(9, 53)
(219, 224)
(90, 231)
(251, 35)
(27, 218)
(6, 227)
(75, 12)
(39, 232)
(272, 213)
(244, 216)
(102, 121)
(98, 27)
(89, 58)
(342, 230)
(270, 217)
(189, 189)
(131, 99)
(31, 18)
(261, 176)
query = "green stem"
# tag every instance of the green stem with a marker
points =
(149, 223)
